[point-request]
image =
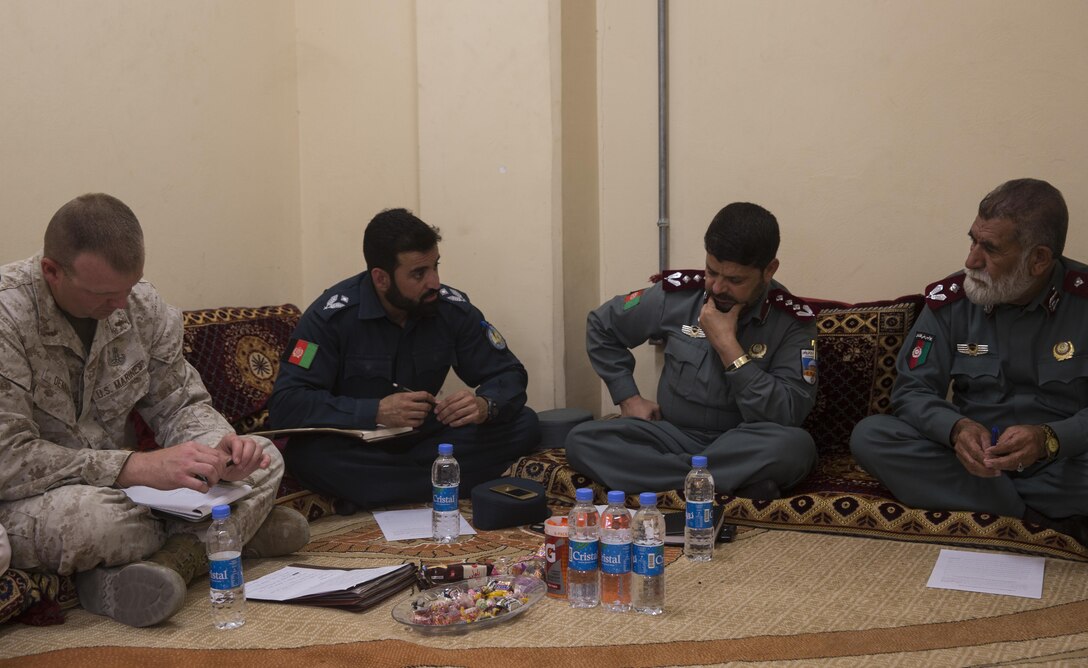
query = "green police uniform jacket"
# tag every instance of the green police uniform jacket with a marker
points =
(1008, 364)
(694, 391)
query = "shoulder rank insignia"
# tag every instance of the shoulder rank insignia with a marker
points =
(945, 291)
(784, 301)
(335, 302)
(493, 336)
(452, 295)
(673, 280)
(1076, 282)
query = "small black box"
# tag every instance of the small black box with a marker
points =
(508, 502)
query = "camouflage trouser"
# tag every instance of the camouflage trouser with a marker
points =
(79, 527)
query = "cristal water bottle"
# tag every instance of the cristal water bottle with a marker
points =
(445, 479)
(699, 511)
(616, 555)
(648, 557)
(228, 592)
(583, 587)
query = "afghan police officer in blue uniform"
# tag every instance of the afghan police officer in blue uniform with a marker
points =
(374, 350)
(1010, 334)
(739, 372)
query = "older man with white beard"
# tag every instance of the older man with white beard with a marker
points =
(1010, 334)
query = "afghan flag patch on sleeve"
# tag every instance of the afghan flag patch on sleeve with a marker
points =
(920, 350)
(632, 300)
(303, 353)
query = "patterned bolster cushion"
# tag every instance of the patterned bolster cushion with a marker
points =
(856, 345)
(237, 353)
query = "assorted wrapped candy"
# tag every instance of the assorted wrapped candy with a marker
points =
(456, 605)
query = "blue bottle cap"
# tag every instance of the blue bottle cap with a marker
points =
(221, 511)
(698, 461)
(445, 448)
(647, 499)
(616, 496)
(583, 494)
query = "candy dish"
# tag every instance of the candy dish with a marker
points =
(478, 603)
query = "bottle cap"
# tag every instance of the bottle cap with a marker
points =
(221, 511)
(583, 494)
(647, 499)
(698, 461)
(445, 448)
(616, 496)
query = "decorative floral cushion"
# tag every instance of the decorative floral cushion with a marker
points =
(237, 353)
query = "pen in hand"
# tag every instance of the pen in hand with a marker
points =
(994, 433)
(400, 388)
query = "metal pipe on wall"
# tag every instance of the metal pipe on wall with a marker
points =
(662, 136)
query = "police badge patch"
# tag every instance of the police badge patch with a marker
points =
(920, 351)
(808, 365)
(497, 342)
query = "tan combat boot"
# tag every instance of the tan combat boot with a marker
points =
(284, 531)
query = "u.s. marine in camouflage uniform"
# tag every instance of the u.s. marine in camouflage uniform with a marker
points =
(735, 385)
(1010, 336)
(82, 344)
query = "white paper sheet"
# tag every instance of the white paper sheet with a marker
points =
(411, 524)
(1007, 574)
(190, 504)
(293, 581)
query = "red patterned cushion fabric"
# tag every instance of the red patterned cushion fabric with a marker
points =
(35, 598)
(237, 353)
(856, 348)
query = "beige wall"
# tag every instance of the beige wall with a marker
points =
(489, 167)
(254, 139)
(184, 110)
(357, 129)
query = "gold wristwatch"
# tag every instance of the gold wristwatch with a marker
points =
(738, 363)
(1051, 444)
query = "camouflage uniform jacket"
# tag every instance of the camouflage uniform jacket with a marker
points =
(63, 411)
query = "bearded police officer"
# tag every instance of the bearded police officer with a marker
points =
(1009, 333)
(83, 342)
(739, 372)
(374, 350)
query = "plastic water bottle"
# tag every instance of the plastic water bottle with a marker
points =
(228, 592)
(648, 557)
(445, 479)
(583, 587)
(699, 511)
(616, 555)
